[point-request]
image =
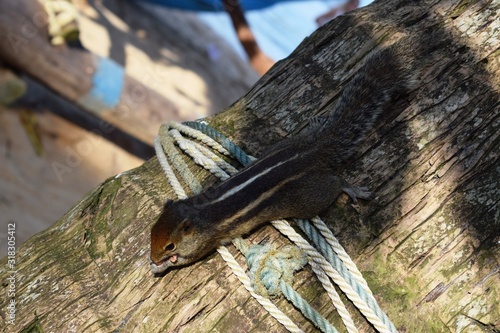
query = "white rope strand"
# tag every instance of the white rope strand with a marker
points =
(334, 297)
(342, 254)
(199, 136)
(219, 161)
(285, 228)
(266, 303)
(198, 157)
(172, 179)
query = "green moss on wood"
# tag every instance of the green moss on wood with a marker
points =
(397, 295)
(97, 241)
(34, 327)
(462, 7)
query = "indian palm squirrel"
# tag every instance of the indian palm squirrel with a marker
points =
(297, 178)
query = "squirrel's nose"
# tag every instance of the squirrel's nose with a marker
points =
(153, 260)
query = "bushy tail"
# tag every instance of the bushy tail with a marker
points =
(385, 75)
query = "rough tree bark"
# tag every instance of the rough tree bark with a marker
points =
(428, 244)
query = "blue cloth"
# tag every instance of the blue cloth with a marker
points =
(107, 86)
(214, 5)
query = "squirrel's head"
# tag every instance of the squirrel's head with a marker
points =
(175, 239)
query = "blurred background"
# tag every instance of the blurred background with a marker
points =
(85, 84)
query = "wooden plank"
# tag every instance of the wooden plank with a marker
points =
(96, 84)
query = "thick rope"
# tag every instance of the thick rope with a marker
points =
(272, 270)
(307, 310)
(168, 170)
(341, 253)
(236, 151)
(178, 163)
(354, 294)
(199, 135)
(198, 157)
(354, 285)
(266, 303)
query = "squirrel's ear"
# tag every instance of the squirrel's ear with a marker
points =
(168, 203)
(187, 226)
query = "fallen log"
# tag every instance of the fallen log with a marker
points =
(97, 84)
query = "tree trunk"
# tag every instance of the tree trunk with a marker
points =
(428, 244)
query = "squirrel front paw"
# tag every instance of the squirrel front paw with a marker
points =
(355, 192)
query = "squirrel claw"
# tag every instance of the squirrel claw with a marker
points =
(355, 192)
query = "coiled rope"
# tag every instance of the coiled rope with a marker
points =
(333, 262)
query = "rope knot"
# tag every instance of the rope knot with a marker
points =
(269, 267)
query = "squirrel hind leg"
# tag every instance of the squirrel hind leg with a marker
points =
(357, 192)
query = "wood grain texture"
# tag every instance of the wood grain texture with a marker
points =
(428, 244)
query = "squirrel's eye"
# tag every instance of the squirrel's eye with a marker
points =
(170, 247)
